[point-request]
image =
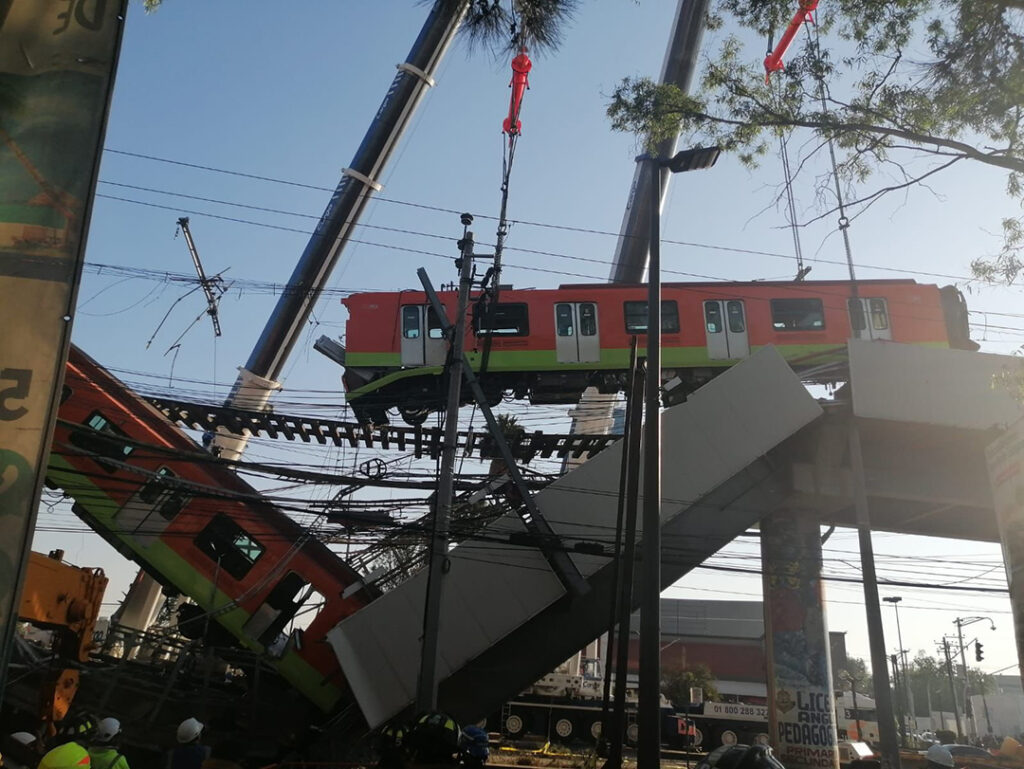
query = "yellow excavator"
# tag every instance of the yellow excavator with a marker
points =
(66, 600)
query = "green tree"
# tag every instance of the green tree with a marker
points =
(857, 676)
(903, 88)
(676, 685)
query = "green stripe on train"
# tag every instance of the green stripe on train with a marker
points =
(176, 570)
(503, 361)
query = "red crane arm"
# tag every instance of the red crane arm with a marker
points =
(773, 61)
(521, 66)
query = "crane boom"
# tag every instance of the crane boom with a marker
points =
(773, 61)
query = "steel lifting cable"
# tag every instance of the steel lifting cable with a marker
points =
(844, 221)
(801, 272)
(511, 127)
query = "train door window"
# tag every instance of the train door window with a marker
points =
(434, 329)
(879, 315)
(857, 320)
(725, 325)
(293, 598)
(713, 317)
(104, 439)
(636, 317)
(564, 320)
(798, 315)
(511, 319)
(577, 337)
(411, 322)
(163, 494)
(588, 319)
(737, 319)
(226, 542)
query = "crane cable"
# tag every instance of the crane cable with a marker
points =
(844, 220)
(486, 307)
(801, 271)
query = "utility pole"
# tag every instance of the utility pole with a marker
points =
(960, 622)
(952, 689)
(908, 698)
(426, 687)
(648, 754)
(876, 639)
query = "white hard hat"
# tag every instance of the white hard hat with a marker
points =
(189, 730)
(25, 738)
(107, 730)
(939, 754)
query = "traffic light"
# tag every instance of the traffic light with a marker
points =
(979, 654)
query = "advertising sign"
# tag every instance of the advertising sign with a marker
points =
(801, 701)
(1005, 458)
(57, 61)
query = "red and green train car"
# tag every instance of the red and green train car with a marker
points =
(548, 345)
(200, 530)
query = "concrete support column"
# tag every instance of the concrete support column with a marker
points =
(801, 700)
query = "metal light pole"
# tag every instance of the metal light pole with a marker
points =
(907, 706)
(960, 623)
(649, 699)
(426, 686)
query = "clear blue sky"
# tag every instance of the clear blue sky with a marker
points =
(248, 86)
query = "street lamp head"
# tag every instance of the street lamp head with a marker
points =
(694, 159)
(893, 599)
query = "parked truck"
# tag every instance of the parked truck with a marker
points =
(567, 705)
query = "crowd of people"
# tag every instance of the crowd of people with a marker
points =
(83, 742)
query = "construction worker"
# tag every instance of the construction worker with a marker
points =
(939, 757)
(435, 739)
(104, 749)
(70, 755)
(741, 757)
(78, 728)
(19, 751)
(392, 742)
(190, 753)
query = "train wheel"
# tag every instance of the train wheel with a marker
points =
(563, 728)
(414, 417)
(632, 734)
(761, 738)
(595, 730)
(728, 737)
(513, 725)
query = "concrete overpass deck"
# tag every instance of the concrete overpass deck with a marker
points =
(751, 443)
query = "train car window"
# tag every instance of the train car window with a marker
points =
(564, 320)
(163, 493)
(734, 311)
(226, 542)
(434, 330)
(104, 439)
(588, 319)
(857, 320)
(879, 314)
(713, 317)
(636, 317)
(411, 321)
(798, 315)
(510, 319)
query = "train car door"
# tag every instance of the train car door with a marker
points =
(149, 510)
(869, 318)
(725, 326)
(423, 343)
(576, 334)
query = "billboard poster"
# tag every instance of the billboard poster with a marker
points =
(801, 701)
(57, 60)
(1005, 458)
